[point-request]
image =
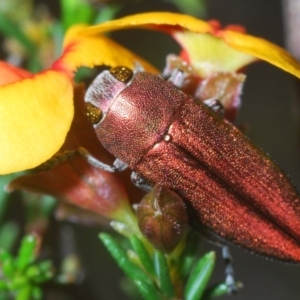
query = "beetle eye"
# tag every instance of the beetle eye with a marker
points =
(93, 113)
(123, 74)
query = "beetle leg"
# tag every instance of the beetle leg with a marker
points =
(229, 272)
(215, 105)
(177, 78)
(140, 182)
(117, 166)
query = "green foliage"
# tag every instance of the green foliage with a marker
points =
(9, 230)
(9, 28)
(75, 11)
(22, 275)
(49, 31)
(163, 274)
(192, 7)
(143, 254)
(107, 13)
(199, 277)
(156, 275)
(8, 235)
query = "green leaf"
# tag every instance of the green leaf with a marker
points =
(32, 272)
(5, 255)
(8, 235)
(75, 11)
(4, 196)
(37, 293)
(199, 277)
(34, 64)
(40, 272)
(195, 8)
(82, 73)
(57, 33)
(215, 291)
(26, 252)
(4, 295)
(10, 29)
(38, 208)
(24, 293)
(142, 253)
(108, 12)
(3, 200)
(187, 258)
(147, 291)
(3, 285)
(163, 274)
(18, 282)
(120, 255)
(7, 264)
(48, 204)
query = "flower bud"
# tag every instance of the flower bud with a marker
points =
(162, 218)
(226, 87)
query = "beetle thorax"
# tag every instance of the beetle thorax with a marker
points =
(139, 117)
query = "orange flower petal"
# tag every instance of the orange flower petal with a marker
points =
(9, 73)
(81, 50)
(262, 49)
(36, 114)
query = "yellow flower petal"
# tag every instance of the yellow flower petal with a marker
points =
(80, 50)
(149, 20)
(262, 49)
(209, 54)
(244, 43)
(36, 114)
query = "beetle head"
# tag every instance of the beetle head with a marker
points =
(104, 89)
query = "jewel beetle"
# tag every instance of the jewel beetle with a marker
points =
(231, 188)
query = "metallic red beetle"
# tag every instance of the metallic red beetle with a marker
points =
(230, 187)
